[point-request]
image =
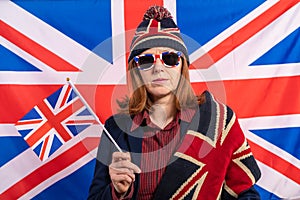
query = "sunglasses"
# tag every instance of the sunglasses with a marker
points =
(147, 61)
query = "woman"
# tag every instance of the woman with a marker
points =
(176, 145)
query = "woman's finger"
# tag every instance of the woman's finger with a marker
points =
(123, 160)
(122, 177)
(128, 165)
(118, 156)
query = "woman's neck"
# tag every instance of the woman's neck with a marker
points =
(163, 111)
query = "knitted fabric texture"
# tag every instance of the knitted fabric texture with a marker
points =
(157, 30)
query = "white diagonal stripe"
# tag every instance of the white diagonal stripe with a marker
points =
(95, 70)
(232, 29)
(235, 65)
(277, 183)
(258, 123)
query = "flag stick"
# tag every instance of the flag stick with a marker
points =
(93, 113)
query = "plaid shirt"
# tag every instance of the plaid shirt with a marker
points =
(158, 145)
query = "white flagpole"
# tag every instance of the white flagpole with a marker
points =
(93, 113)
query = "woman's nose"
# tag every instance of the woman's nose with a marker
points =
(158, 65)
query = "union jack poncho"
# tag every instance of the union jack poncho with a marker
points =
(214, 160)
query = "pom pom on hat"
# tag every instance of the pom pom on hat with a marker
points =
(157, 12)
(157, 30)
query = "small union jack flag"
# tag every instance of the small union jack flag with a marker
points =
(54, 121)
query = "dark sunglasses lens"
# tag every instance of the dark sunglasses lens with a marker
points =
(170, 59)
(146, 61)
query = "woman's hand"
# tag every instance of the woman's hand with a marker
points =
(121, 171)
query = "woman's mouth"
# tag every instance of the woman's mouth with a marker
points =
(159, 81)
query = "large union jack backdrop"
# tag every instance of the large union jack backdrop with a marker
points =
(245, 52)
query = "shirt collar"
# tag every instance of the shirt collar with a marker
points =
(184, 115)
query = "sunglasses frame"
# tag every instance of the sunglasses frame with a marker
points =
(160, 56)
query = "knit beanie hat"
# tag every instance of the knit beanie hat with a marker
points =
(157, 30)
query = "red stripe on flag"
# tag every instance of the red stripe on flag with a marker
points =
(29, 122)
(66, 94)
(54, 166)
(15, 107)
(257, 97)
(81, 122)
(103, 98)
(44, 148)
(138, 8)
(277, 163)
(242, 35)
(35, 49)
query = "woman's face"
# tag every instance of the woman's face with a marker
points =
(161, 81)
